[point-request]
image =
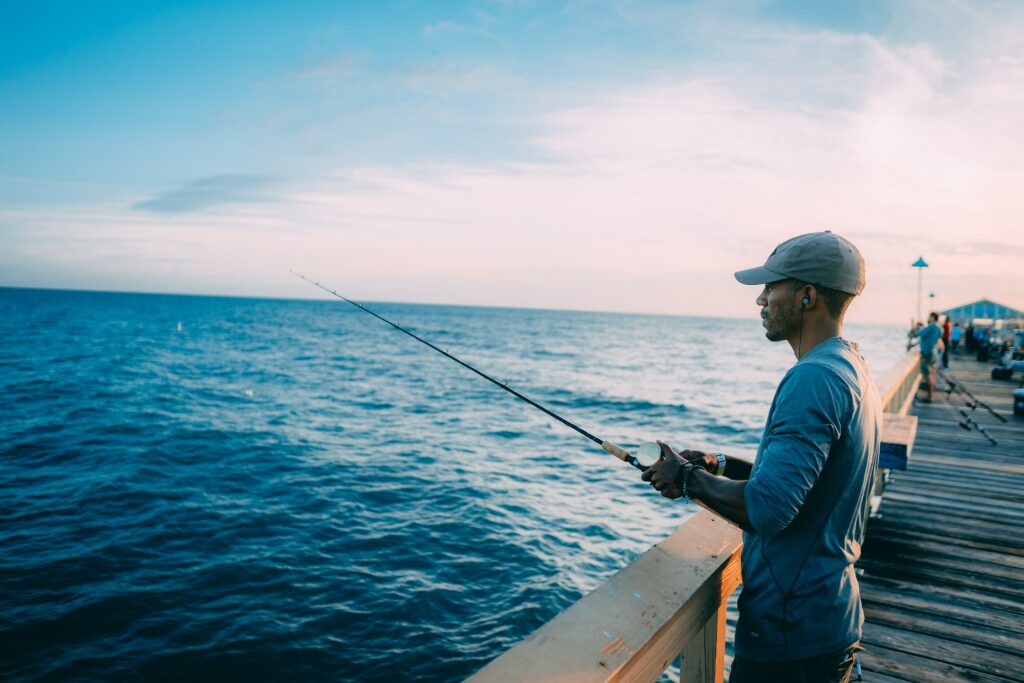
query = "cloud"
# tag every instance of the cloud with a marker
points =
(990, 248)
(337, 69)
(480, 28)
(209, 192)
(647, 195)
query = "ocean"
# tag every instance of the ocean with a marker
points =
(245, 489)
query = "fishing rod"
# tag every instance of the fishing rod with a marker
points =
(971, 400)
(967, 423)
(648, 453)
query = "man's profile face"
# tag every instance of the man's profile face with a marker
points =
(780, 310)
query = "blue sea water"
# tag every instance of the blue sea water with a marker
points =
(241, 489)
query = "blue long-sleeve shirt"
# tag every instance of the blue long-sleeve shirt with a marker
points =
(930, 335)
(807, 502)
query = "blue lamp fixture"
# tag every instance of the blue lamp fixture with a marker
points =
(920, 265)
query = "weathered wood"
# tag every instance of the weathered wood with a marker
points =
(631, 627)
(990, 639)
(978, 660)
(898, 432)
(956, 608)
(919, 667)
(941, 572)
(898, 386)
(703, 658)
(899, 383)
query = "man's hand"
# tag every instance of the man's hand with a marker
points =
(708, 461)
(724, 496)
(662, 474)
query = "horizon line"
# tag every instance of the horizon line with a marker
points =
(327, 297)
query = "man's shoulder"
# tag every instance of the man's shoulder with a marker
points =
(832, 368)
(841, 369)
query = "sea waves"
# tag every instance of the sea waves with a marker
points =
(232, 489)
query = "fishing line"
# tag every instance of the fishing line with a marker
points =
(648, 453)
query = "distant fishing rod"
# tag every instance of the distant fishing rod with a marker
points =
(967, 423)
(971, 400)
(646, 455)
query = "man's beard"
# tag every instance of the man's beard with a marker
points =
(781, 325)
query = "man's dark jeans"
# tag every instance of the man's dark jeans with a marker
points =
(834, 667)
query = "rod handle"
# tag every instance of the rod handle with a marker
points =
(616, 450)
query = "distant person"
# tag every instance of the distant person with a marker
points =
(979, 341)
(955, 335)
(947, 328)
(969, 337)
(803, 503)
(928, 338)
(984, 344)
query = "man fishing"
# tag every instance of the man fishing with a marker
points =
(803, 503)
(928, 338)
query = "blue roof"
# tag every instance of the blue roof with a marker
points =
(983, 308)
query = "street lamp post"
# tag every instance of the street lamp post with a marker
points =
(920, 265)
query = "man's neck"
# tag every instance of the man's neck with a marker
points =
(814, 332)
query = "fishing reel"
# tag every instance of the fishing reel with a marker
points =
(648, 454)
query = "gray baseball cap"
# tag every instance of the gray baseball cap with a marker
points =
(818, 258)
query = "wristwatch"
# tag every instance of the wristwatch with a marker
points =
(721, 464)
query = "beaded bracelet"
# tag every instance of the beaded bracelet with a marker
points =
(686, 471)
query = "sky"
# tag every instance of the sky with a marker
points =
(590, 154)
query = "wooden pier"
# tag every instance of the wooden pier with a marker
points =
(942, 571)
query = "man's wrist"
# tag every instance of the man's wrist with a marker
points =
(685, 477)
(694, 483)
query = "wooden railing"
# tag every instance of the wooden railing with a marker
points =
(670, 602)
(899, 385)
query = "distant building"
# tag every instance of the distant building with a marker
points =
(985, 312)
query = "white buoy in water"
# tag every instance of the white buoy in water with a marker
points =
(179, 328)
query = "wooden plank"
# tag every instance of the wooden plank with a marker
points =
(631, 627)
(941, 571)
(941, 575)
(980, 525)
(893, 382)
(971, 658)
(703, 658)
(954, 594)
(897, 528)
(898, 433)
(945, 501)
(916, 667)
(953, 607)
(976, 635)
(917, 545)
(878, 677)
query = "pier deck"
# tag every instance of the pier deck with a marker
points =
(943, 564)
